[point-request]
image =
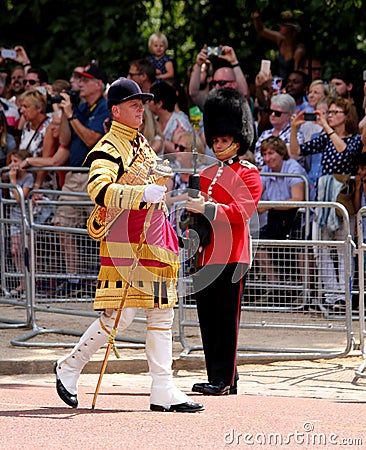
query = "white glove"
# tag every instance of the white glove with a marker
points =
(153, 193)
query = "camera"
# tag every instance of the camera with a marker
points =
(57, 98)
(310, 117)
(214, 51)
(8, 54)
(194, 185)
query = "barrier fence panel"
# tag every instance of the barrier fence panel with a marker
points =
(14, 256)
(54, 249)
(297, 299)
(361, 248)
(65, 260)
(62, 264)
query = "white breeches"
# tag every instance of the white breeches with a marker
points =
(158, 352)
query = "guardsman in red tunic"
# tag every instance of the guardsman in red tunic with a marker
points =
(230, 191)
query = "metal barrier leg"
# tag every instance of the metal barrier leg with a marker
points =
(14, 269)
(8, 324)
(359, 373)
(22, 341)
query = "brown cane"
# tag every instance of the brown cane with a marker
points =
(111, 340)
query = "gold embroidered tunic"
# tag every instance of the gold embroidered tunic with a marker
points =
(121, 164)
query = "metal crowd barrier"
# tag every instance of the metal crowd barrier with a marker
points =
(51, 251)
(284, 310)
(275, 312)
(361, 248)
(47, 263)
(12, 276)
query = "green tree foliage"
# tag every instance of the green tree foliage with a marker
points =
(60, 35)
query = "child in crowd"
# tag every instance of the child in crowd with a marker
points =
(158, 44)
(23, 179)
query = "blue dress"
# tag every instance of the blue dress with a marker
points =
(159, 64)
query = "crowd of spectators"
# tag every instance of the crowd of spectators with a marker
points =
(318, 122)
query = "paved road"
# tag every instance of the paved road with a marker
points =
(310, 401)
(31, 416)
(313, 402)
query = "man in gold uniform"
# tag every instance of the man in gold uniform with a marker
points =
(123, 186)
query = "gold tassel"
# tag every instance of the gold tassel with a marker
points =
(111, 340)
(116, 352)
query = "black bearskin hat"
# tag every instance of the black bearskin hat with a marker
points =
(226, 113)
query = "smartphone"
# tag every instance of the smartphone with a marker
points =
(310, 117)
(214, 51)
(277, 83)
(8, 54)
(364, 75)
(265, 66)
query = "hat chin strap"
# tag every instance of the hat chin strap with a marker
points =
(226, 152)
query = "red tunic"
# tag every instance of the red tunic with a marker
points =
(236, 192)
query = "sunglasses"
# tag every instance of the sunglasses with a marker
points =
(335, 112)
(181, 148)
(31, 82)
(221, 82)
(273, 111)
(273, 140)
(134, 74)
